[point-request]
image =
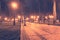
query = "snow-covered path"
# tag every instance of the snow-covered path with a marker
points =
(35, 31)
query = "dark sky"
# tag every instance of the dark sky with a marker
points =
(43, 6)
(36, 5)
(4, 7)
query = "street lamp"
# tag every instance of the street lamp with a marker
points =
(14, 6)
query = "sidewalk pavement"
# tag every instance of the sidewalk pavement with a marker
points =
(40, 32)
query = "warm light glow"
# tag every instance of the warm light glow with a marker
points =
(14, 5)
(19, 17)
(51, 16)
(37, 16)
(12, 19)
(32, 17)
(5, 19)
(57, 20)
(36, 19)
(46, 17)
(27, 18)
(16, 19)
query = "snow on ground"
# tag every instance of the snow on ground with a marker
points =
(42, 31)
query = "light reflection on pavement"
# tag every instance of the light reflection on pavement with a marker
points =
(35, 31)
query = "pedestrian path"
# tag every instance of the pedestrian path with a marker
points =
(28, 34)
(33, 31)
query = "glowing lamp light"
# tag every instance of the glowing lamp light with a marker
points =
(5, 18)
(19, 17)
(37, 16)
(46, 17)
(51, 16)
(27, 18)
(12, 19)
(37, 19)
(57, 20)
(14, 5)
(32, 17)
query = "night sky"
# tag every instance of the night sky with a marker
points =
(30, 6)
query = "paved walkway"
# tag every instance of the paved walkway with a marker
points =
(35, 31)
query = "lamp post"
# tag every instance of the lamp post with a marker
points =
(14, 6)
